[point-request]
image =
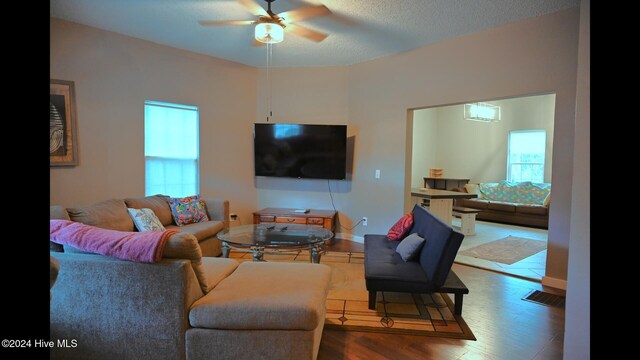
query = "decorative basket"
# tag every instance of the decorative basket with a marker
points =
(436, 172)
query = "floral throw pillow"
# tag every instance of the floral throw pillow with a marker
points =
(145, 220)
(401, 227)
(188, 210)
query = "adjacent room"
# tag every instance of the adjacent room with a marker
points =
(504, 144)
(319, 179)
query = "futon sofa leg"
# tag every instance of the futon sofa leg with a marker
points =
(458, 304)
(372, 300)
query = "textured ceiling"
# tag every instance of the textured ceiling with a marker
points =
(360, 30)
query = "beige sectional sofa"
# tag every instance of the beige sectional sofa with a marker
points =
(112, 214)
(187, 306)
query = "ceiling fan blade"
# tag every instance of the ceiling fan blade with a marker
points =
(305, 32)
(257, 43)
(253, 7)
(226, 22)
(304, 13)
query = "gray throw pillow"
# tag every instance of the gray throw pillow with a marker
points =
(410, 246)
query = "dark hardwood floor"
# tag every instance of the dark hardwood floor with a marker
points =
(345, 245)
(506, 326)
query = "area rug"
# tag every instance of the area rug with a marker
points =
(508, 250)
(398, 313)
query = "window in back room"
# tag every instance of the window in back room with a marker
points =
(526, 154)
(443, 138)
(171, 149)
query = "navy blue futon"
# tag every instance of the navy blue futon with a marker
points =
(430, 272)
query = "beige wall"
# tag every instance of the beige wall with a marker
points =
(529, 57)
(577, 338)
(425, 144)
(113, 76)
(308, 96)
(478, 150)
(535, 56)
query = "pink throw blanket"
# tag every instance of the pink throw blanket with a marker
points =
(146, 246)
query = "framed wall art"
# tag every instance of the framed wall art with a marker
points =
(63, 142)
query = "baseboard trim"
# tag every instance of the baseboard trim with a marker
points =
(354, 238)
(554, 282)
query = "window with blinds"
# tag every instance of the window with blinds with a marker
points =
(171, 149)
(526, 155)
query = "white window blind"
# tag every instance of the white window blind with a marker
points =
(171, 149)
(526, 155)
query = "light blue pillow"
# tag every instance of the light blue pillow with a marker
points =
(410, 246)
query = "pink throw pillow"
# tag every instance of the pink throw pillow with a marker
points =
(401, 227)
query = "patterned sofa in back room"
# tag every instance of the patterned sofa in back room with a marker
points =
(523, 203)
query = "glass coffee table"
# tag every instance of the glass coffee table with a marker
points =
(275, 238)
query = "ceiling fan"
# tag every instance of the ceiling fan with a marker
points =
(270, 26)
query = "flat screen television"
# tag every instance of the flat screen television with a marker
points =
(300, 151)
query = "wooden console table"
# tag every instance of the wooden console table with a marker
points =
(322, 218)
(444, 183)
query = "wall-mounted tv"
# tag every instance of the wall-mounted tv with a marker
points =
(300, 151)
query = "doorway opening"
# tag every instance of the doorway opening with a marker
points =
(500, 150)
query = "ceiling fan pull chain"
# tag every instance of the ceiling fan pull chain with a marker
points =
(270, 79)
(268, 82)
(270, 89)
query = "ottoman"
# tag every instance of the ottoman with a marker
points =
(263, 310)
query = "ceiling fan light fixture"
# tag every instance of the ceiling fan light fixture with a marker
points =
(269, 33)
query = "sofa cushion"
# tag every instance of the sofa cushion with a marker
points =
(474, 203)
(401, 227)
(74, 250)
(109, 214)
(410, 247)
(266, 296)
(201, 231)
(217, 268)
(440, 247)
(188, 210)
(157, 203)
(385, 268)
(185, 246)
(502, 206)
(531, 209)
(145, 219)
(524, 192)
(57, 212)
(532, 193)
(54, 269)
(473, 189)
(380, 251)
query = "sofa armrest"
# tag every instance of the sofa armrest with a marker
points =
(218, 209)
(54, 268)
(138, 310)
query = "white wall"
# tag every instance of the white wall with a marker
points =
(478, 150)
(577, 336)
